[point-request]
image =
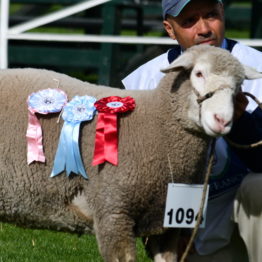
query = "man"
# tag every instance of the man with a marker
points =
(235, 194)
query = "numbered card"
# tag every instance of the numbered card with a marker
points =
(182, 205)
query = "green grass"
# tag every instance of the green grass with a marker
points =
(237, 34)
(58, 30)
(30, 245)
(13, 9)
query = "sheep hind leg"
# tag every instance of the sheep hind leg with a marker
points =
(163, 248)
(115, 237)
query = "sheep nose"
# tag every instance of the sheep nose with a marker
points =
(221, 122)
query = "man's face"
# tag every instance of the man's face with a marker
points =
(200, 22)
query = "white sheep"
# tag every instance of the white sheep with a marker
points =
(117, 203)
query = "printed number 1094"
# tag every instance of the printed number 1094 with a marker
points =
(182, 216)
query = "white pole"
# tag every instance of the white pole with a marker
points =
(55, 16)
(91, 38)
(4, 17)
(111, 39)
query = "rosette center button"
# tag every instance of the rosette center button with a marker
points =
(81, 109)
(49, 101)
(114, 104)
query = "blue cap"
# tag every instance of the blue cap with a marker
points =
(174, 7)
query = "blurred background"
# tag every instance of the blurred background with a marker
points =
(96, 60)
(79, 45)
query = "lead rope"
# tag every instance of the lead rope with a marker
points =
(200, 99)
(201, 208)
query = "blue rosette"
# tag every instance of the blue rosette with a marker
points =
(68, 157)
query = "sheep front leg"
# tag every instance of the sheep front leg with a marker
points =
(163, 248)
(116, 238)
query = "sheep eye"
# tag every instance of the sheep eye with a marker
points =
(199, 74)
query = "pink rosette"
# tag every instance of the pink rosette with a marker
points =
(43, 102)
(106, 141)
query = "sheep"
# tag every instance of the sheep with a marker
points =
(117, 203)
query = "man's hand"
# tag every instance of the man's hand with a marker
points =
(241, 103)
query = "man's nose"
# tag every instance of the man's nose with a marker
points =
(203, 27)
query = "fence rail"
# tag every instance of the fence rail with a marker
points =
(19, 31)
(111, 39)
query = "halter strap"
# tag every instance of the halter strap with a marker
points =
(200, 98)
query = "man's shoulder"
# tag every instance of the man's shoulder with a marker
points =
(159, 59)
(148, 75)
(155, 64)
(248, 55)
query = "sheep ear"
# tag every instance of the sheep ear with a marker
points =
(251, 73)
(185, 61)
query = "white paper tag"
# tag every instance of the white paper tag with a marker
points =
(182, 205)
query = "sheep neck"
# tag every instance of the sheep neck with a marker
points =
(186, 148)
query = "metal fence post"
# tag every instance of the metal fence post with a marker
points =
(256, 20)
(4, 17)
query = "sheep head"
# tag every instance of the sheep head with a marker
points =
(215, 77)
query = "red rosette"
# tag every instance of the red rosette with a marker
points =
(106, 142)
(115, 104)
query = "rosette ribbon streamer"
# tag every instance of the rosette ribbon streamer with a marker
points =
(43, 102)
(106, 140)
(68, 157)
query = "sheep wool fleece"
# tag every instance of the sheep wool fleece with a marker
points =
(228, 171)
(135, 190)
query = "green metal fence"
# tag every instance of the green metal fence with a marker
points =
(106, 61)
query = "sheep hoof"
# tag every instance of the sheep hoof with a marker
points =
(163, 248)
(121, 253)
